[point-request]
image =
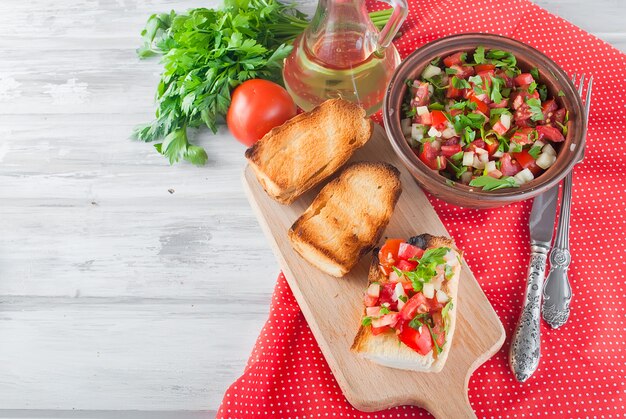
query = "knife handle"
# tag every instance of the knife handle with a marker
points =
(526, 342)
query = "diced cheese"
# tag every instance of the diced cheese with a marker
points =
(545, 160)
(422, 110)
(548, 149)
(417, 132)
(431, 71)
(468, 158)
(442, 297)
(524, 176)
(428, 290)
(432, 132)
(505, 119)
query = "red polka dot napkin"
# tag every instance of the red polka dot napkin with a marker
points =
(582, 371)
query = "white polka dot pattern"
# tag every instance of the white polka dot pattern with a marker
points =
(583, 364)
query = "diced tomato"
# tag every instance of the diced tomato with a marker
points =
(408, 286)
(419, 342)
(407, 251)
(502, 104)
(462, 72)
(486, 75)
(388, 254)
(424, 119)
(450, 150)
(551, 133)
(527, 161)
(455, 112)
(379, 330)
(479, 143)
(524, 79)
(406, 265)
(387, 296)
(548, 108)
(508, 166)
(451, 141)
(524, 136)
(453, 92)
(481, 106)
(453, 59)
(438, 119)
(435, 162)
(559, 116)
(421, 95)
(499, 128)
(416, 304)
(492, 146)
(370, 301)
(481, 68)
(519, 98)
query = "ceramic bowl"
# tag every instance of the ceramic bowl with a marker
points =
(527, 57)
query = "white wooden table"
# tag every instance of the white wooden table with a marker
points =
(126, 284)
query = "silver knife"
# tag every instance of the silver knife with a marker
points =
(526, 342)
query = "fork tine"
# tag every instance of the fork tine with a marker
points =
(588, 99)
(581, 85)
(574, 79)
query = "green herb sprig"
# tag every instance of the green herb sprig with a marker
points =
(206, 53)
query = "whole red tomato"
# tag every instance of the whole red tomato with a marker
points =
(257, 106)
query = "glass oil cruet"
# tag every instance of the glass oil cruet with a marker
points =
(342, 54)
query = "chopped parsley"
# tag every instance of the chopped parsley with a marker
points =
(458, 83)
(489, 183)
(535, 109)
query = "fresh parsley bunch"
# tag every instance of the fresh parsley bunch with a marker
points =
(207, 53)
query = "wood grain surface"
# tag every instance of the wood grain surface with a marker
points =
(333, 307)
(126, 283)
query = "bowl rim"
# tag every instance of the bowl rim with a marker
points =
(432, 180)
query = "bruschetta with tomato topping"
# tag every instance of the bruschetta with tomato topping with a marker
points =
(410, 304)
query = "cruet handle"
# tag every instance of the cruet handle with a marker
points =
(399, 14)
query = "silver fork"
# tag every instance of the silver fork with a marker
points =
(557, 292)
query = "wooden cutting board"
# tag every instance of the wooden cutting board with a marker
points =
(333, 306)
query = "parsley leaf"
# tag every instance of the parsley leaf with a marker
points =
(477, 80)
(502, 58)
(535, 109)
(560, 93)
(532, 86)
(451, 70)
(436, 107)
(366, 321)
(479, 55)
(458, 83)
(489, 183)
(535, 73)
(384, 310)
(496, 84)
(426, 268)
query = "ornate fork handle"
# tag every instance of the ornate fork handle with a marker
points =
(557, 292)
(526, 343)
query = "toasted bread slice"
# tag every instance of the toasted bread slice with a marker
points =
(385, 348)
(347, 218)
(301, 153)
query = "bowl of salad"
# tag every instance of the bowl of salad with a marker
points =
(483, 120)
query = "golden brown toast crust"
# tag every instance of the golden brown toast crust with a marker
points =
(348, 216)
(307, 149)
